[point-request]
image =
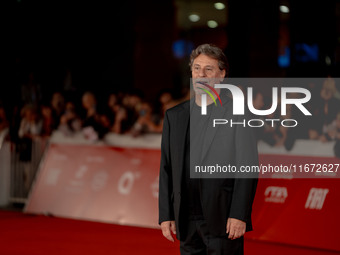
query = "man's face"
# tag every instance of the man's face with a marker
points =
(205, 69)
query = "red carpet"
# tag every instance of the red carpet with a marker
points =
(34, 235)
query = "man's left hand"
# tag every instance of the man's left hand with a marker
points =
(235, 228)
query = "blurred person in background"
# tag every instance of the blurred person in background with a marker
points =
(30, 128)
(89, 116)
(306, 124)
(112, 101)
(130, 102)
(93, 121)
(3, 119)
(331, 131)
(274, 134)
(70, 122)
(57, 107)
(126, 112)
(265, 133)
(48, 122)
(113, 107)
(121, 123)
(165, 97)
(325, 112)
(270, 133)
(166, 100)
(337, 92)
(31, 122)
(132, 99)
(89, 104)
(103, 120)
(150, 119)
(336, 135)
(15, 124)
(117, 114)
(147, 121)
(4, 124)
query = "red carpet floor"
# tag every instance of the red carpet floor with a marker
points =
(34, 235)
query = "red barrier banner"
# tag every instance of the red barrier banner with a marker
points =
(100, 183)
(120, 185)
(302, 212)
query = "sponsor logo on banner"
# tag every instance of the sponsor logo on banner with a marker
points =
(126, 181)
(316, 198)
(99, 180)
(275, 194)
(52, 177)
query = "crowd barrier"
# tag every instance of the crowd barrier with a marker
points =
(25, 160)
(4, 168)
(19, 162)
(116, 181)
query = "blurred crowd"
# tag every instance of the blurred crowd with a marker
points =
(323, 125)
(130, 113)
(122, 113)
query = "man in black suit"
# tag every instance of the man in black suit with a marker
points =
(208, 215)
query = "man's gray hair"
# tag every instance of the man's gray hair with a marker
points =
(212, 51)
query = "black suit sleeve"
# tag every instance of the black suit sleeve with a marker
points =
(245, 183)
(166, 211)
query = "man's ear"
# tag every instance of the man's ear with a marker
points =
(223, 73)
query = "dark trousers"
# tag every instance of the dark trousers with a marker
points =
(198, 241)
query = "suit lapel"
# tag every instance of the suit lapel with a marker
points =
(183, 120)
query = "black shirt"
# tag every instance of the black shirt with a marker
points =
(194, 142)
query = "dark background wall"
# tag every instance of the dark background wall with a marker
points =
(74, 46)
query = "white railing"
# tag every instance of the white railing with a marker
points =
(25, 160)
(4, 168)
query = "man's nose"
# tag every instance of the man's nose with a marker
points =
(202, 73)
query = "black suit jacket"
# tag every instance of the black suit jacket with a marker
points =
(221, 197)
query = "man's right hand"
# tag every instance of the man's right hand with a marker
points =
(168, 227)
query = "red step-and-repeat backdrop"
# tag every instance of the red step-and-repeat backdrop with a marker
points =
(120, 185)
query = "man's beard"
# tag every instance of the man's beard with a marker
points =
(208, 84)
